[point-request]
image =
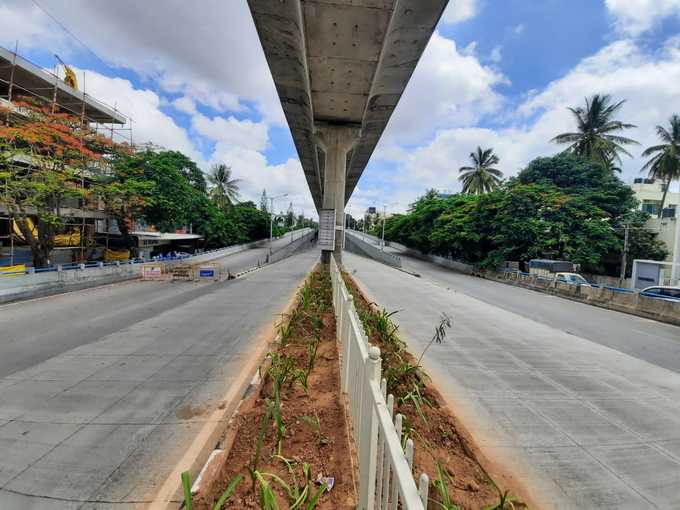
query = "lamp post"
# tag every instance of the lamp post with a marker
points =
(271, 219)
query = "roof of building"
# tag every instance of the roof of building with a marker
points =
(32, 79)
(166, 236)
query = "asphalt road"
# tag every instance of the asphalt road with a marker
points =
(100, 389)
(559, 393)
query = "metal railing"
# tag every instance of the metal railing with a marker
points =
(385, 468)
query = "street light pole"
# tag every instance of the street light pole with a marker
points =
(271, 220)
(624, 255)
(382, 243)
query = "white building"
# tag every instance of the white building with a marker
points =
(650, 192)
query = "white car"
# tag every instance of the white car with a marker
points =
(662, 292)
(571, 278)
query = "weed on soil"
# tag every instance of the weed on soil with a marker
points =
(291, 447)
(459, 481)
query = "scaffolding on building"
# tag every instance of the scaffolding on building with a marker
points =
(19, 79)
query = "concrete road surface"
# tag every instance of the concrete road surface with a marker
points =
(573, 400)
(101, 390)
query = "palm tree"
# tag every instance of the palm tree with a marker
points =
(482, 177)
(665, 163)
(224, 189)
(595, 139)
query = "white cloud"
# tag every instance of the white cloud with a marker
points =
(185, 104)
(211, 54)
(636, 16)
(459, 10)
(648, 82)
(256, 174)
(149, 123)
(448, 88)
(519, 29)
(232, 132)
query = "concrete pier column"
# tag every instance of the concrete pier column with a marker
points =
(336, 142)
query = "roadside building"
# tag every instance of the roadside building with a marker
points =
(650, 194)
(87, 227)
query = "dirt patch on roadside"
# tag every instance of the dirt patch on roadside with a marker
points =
(443, 449)
(302, 386)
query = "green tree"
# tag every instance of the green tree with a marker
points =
(224, 190)
(665, 158)
(482, 177)
(596, 136)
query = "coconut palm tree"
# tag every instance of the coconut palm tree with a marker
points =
(665, 161)
(595, 138)
(482, 177)
(224, 189)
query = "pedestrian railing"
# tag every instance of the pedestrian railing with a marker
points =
(385, 468)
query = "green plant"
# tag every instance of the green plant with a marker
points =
(186, 486)
(275, 408)
(445, 322)
(267, 496)
(286, 329)
(416, 398)
(297, 494)
(315, 423)
(264, 424)
(505, 501)
(384, 326)
(228, 492)
(441, 485)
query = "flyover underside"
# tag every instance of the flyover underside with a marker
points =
(345, 64)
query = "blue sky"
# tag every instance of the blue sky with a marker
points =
(497, 73)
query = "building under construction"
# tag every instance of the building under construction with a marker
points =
(87, 228)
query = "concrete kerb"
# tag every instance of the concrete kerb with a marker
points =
(632, 304)
(214, 437)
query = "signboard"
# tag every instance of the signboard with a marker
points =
(182, 272)
(327, 229)
(647, 275)
(152, 271)
(209, 272)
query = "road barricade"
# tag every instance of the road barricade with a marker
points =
(152, 271)
(208, 272)
(183, 272)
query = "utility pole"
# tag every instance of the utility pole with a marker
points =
(624, 255)
(382, 243)
(271, 221)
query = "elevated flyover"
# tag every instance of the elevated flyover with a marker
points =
(340, 67)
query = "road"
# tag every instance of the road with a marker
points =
(101, 390)
(573, 400)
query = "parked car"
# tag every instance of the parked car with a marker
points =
(571, 278)
(662, 292)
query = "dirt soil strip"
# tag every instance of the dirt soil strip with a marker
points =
(213, 429)
(473, 482)
(315, 432)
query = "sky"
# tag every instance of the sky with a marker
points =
(496, 73)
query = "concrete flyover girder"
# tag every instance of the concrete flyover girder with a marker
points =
(343, 63)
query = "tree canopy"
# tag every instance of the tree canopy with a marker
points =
(561, 207)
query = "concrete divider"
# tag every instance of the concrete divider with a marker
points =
(357, 245)
(56, 280)
(292, 247)
(619, 300)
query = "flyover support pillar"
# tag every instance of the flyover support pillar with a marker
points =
(337, 142)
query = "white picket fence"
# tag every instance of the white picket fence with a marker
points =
(385, 469)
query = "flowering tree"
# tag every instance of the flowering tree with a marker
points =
(46, 159)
